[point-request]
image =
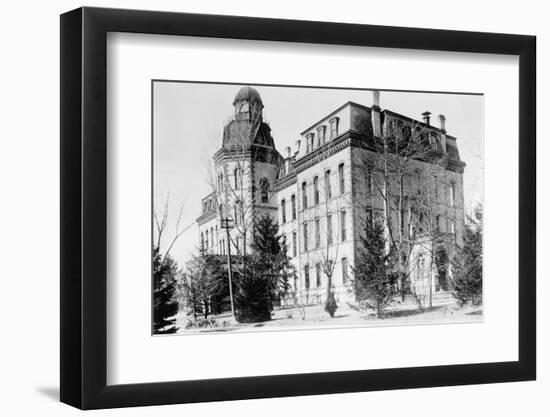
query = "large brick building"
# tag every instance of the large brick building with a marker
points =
(323, 192)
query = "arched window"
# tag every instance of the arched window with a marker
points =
(293, 202)
(341, 178)
(283, 211)
(238, 178)
(328, 192)
(316, 190)
(304, 195)
(264, 190)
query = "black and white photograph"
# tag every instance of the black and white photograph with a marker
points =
(283, 207)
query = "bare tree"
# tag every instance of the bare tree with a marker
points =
(404, 161)
(161, 223)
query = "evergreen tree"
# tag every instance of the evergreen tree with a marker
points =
(266, 277)
(165, 305)
(468, 262)
(373, 280)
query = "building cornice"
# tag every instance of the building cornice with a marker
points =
(206, 217)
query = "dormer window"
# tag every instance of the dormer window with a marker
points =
(321, 135)
(309, 142)
(333, 127)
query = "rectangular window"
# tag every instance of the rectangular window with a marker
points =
(305, 237)
(294, 245)
(306, 276)
(321, 135)
(328, 192)
(316, 190)
(453, 230)
(452, 194)
(341, 178)
(329, 229)
(283, 211)
(345, 271)
(369, 181)
(293, 203)
(334, 128)
(318, 275)
(317, 234)
(343, 225)
(304, 195)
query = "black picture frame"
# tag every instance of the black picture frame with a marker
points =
(84, 207)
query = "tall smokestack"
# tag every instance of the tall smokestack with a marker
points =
(443, 135)
(287, 160)
(375, 114)
(442, 123)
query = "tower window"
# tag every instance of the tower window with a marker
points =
(306, 276)
(294, 245)
(283, 211)
(452, 192)
(293, 203)
(304, 195)
(238, 178)
(264, 190)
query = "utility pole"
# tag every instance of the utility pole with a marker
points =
(227, 223)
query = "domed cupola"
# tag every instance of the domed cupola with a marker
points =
(248, 104)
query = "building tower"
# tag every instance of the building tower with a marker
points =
(246, 168)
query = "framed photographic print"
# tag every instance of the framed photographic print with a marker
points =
(258, 208)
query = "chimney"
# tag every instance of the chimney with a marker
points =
(426, 117)
(442, 123)
(298, 146)
(443, 136)
(287, 160)
(376, 98)
(375, 114)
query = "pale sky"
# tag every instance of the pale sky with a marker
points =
(189, 118)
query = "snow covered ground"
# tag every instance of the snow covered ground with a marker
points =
(445, 310)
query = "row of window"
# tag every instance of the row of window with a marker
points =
(316, 199)
(208, 239)
(312, 144)
(328, 234)
(319, 270)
